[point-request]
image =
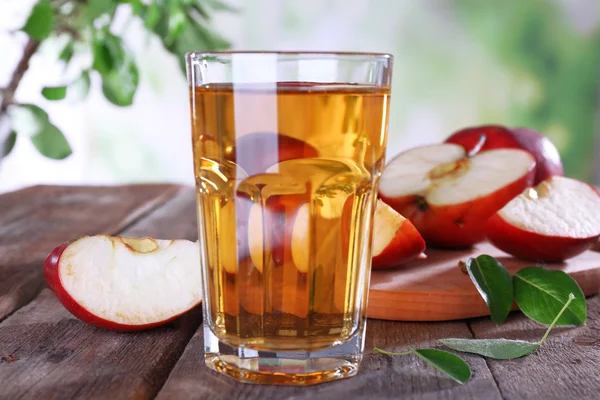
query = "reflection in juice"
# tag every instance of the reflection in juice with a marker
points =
(285, 191)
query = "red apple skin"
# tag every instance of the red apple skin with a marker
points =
(53, 279)
(407, 245)
(529, 245)
(256, 152)
(496, 137)
(460, 225)
(547, 158)
(543, 150)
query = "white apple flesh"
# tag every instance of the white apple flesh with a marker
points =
(449, 196)
(556, 220)
(125, 284)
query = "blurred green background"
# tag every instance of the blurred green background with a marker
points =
(458, 63)
(552, 54)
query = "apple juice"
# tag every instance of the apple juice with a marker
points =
(286, 177)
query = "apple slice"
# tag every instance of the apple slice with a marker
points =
(395, 239)
(449, 196)
(125, 284)
(556, 220)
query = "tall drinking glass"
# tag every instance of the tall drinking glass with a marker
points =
(288, 151)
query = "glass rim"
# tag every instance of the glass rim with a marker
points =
(353, 54)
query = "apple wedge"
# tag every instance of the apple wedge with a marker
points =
(449, 196)
(395, 239)
(125, 284)
(556, 220)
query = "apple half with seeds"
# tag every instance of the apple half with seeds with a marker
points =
(554, 221)
(449, 195)
(125, 284)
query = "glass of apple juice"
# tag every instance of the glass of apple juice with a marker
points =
(288, 150)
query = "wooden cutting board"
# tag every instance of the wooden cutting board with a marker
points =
(435, 289)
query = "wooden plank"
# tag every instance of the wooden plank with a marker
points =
(435, 289)
(380, 376)
(48, 354)
(565, 367)
(35, 220)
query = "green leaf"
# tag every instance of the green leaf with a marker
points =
(500, 349)
(47, 138)
(177, 23)
(181, 36)
(82, 85)
(202, 13)
(41, 21)
(52, 143)
(96, 8)
(193, 37)
(108, 53)
(40, 116)
(137, 7)
(120, 85)
(503, 349)
(448, 363)
(152, 15)
(541, 293)
(120, 76)
(494, 284)
(9, 143)
(67, 52)
(220, 6)
(54, 93)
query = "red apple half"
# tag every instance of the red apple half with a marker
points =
(449, 196)
(395, 239)
(556, 220)
(125, 284)
(488, 137)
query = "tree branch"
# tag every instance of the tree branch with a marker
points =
(9, 92)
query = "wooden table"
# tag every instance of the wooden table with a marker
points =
(45, 353)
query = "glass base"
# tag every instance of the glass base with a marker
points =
(284, 367)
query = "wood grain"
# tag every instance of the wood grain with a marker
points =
(35, 220)
(565, 367)
(435, 289)
(45, 353)
(380, 377)
(48, 354)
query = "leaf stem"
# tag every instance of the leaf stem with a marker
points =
(389, 353)
(571, 298)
